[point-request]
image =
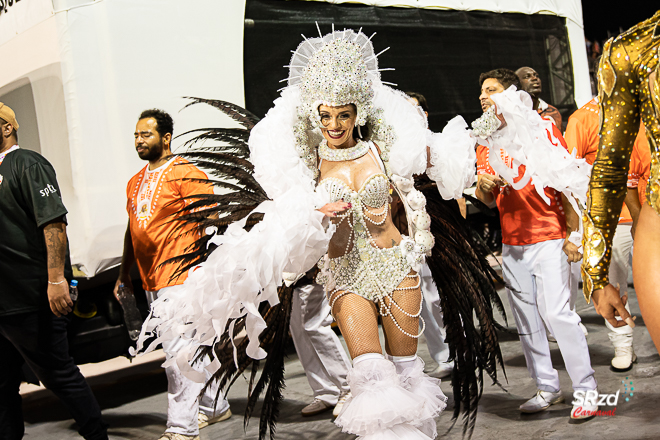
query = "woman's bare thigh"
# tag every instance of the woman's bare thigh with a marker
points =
(398, 343)
(646, 270)
(357, 318)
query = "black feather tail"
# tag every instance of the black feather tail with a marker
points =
(466, 284)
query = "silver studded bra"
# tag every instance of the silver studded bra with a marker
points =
(375, 191)
(365, 269)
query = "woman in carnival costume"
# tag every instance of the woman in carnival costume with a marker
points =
(629, 91)
(330, 155)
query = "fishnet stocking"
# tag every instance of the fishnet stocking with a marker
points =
(357, 318)
(396, 342)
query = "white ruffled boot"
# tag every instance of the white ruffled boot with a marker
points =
(427, 389)
(380, 407)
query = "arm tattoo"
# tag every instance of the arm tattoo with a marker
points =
(55, 235)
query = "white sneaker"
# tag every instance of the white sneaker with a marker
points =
(340, 403)
(623, 359)
(443, 370)
(583, 411)
(176, 436)
(542, 400)
(203, 420)
(314, 408)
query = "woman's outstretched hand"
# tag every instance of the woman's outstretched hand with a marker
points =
(332, 209)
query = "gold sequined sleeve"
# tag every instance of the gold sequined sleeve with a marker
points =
(619, 113)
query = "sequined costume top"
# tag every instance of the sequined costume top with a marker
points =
(628, 90)
(364, 268)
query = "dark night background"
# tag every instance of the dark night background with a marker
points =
(437, 52)
(600, 17)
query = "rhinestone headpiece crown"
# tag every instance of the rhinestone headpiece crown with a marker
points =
(337, 69)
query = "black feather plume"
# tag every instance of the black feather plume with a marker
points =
(466, 284)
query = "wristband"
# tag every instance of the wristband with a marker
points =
(55, 284)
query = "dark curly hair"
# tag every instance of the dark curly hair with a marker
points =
(164, 122)
(506, 77)
(420, 99)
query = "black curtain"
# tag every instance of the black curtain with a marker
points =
(438, 53)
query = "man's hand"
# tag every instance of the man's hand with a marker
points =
(59, 299)
(126, 281)
(608, 304)
(488, 182)
(571, 251)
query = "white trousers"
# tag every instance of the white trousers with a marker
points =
(321, 354)
(183, 395)
(622, 245)
(539, 276)
(434, 332)
(620, 264)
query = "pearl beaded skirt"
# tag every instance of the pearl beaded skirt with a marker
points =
(370, 272)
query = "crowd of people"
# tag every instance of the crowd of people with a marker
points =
(335, 155)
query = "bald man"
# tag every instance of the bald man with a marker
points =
(531, 83)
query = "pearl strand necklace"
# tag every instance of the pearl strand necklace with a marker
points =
(339, 155)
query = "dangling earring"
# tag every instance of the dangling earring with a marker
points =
(359, 132)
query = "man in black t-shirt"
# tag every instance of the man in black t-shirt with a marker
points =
(34, 293)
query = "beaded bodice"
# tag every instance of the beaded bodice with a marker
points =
(375, 191)
(629, 84)
(362, 266)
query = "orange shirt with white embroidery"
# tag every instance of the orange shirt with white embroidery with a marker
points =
(640, 165)
(525, 217)
(583, 134)
(154, 198)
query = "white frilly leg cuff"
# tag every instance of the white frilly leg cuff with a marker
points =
(427, 390)
(380, 408)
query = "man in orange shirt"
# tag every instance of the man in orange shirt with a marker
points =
(535, 268)
(155, 195)
(582, 136)
(638, 176)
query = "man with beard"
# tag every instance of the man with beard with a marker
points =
(536, 271)
(531, 83)
(155, 195)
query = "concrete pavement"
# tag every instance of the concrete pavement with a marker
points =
(133, 399)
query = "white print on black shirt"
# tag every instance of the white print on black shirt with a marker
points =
(48, 190)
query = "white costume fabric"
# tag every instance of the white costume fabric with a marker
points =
(321, 354)
(539, 276)
(525, 140)
(434, 332)
(183, 395)
(391, 399)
